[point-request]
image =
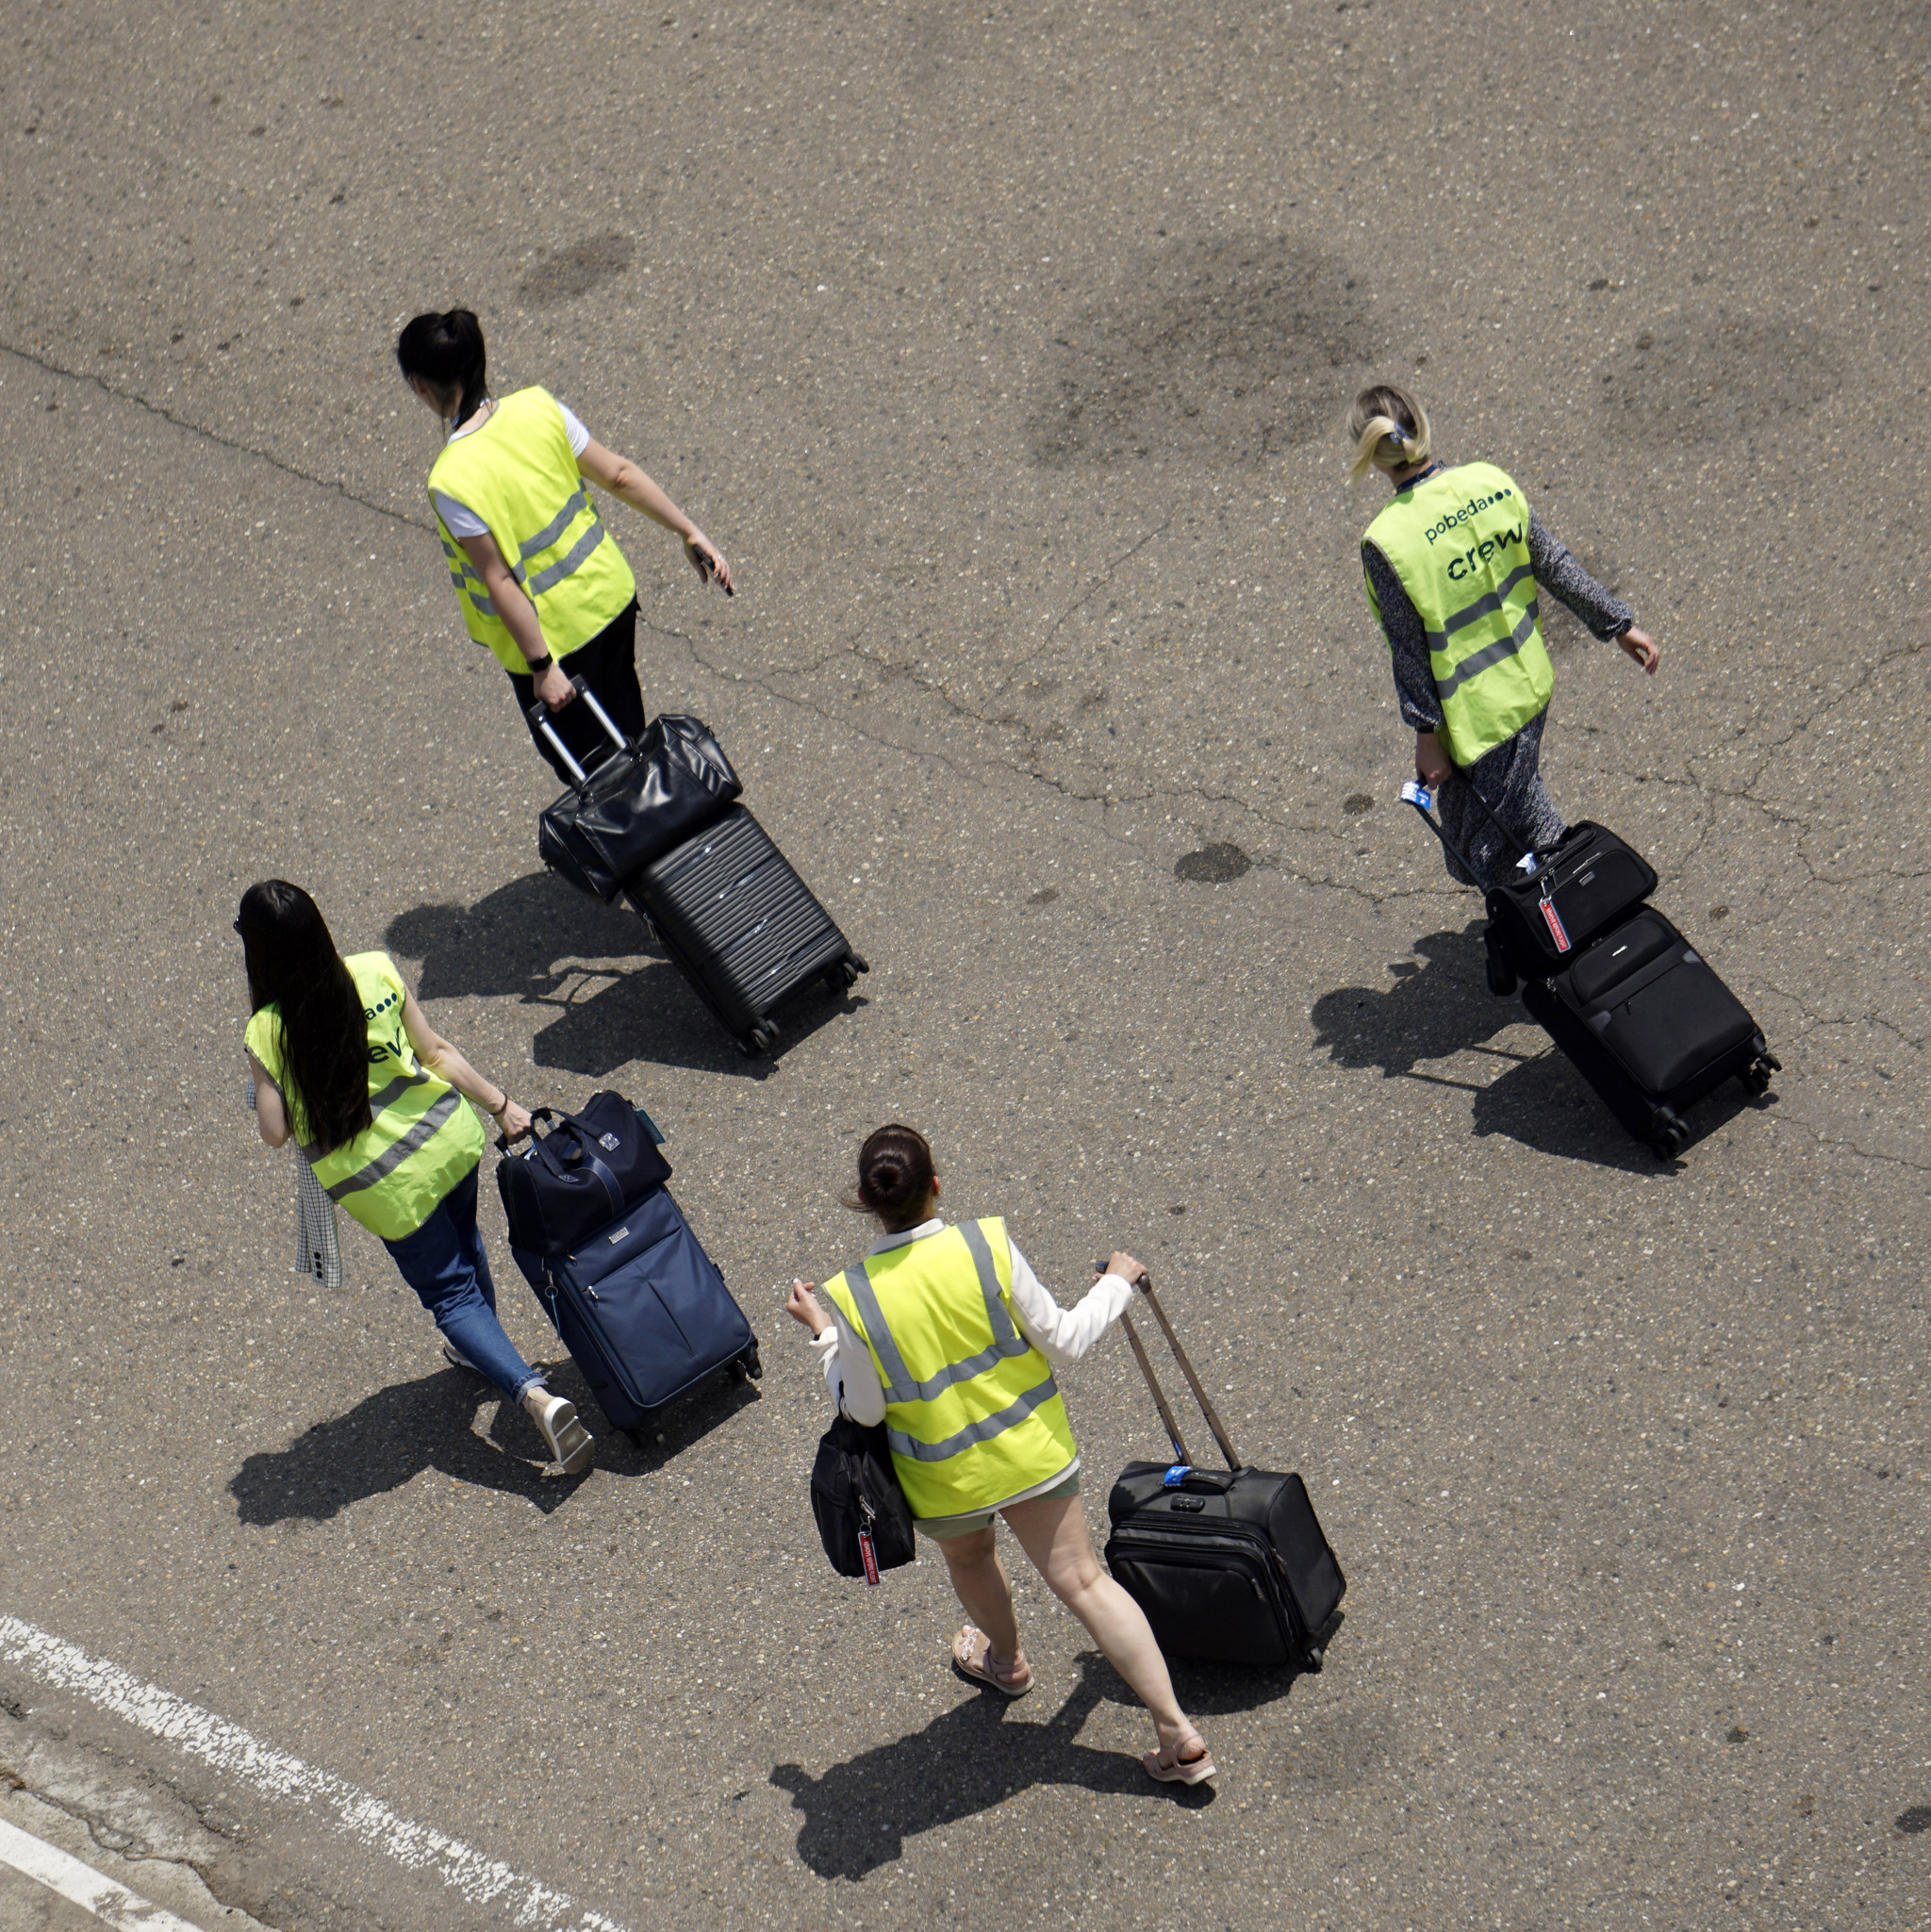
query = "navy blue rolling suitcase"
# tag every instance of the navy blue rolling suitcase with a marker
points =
(640, 1306)
(643, 1311)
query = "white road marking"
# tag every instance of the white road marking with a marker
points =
(359, 1814)
(89, 1890)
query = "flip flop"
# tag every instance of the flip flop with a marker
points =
(972, 1658)
(1178, 1770)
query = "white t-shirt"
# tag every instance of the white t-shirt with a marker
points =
(459, 520)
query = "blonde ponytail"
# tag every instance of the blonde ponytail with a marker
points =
(1389, 431)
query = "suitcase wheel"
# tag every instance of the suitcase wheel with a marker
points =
(1316, 1657)
(761, 1039)
(1757, 1077)
(750, 1366)
(1670, 1136)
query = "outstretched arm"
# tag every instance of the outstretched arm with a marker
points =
(1605, 614)
(622, 478)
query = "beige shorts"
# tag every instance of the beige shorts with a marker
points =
(943, 1529)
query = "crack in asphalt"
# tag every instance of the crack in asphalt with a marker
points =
(1111, 799)
(189, 428)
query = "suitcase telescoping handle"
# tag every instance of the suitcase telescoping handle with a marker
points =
(538, 715)
(1145, 1284)
(1422, 799)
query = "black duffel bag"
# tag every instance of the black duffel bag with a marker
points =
(863, 1520)
(580, 1175)
(643, 800)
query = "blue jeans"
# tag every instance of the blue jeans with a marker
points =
(444, 1262)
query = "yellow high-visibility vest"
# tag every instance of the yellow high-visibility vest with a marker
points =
(972, 1412)
(424, 1137)
(520, 474)
(1458, 541)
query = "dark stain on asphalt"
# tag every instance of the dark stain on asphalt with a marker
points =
(1225, 350)
(1914, 1821)
(1715, 382)
(575, 271)
(1212, 864)
(1356, 804)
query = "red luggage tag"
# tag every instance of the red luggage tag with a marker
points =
(868, 1556)
(1557, 931)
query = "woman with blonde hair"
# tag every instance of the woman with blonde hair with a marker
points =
(946, 1336)
(1453, 565)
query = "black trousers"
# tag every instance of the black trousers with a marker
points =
(608, 667)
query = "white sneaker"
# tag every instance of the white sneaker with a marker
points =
(456, 1359)
(570, 1442)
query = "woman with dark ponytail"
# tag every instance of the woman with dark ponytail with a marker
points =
(347, 1064)
(946, 1336)
(540, 581)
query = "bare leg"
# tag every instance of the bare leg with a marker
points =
(980, 1580)
(1052, 1532)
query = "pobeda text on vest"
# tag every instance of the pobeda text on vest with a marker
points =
(1473, 507)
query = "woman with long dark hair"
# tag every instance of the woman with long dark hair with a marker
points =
(946, 1336)
(541, 582)
(347, 1065)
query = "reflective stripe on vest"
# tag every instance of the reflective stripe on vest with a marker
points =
(420, 1139)
(519, 476)
(999, 1408)
(1458, 541)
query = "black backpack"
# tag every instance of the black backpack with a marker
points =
(865, 1522)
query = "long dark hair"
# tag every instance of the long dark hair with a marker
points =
(447, 352)
(895, 1176)
(293, 965)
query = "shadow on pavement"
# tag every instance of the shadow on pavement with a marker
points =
(1443, 1007)
(392, 1436)
(388, 1438)
(1439, 1008)
(1546, 1104)
(859, 1815)
(539, 942)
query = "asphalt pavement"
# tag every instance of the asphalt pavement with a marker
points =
(1004, 352)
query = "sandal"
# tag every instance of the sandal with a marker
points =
(972, 1658)
(1173, 1767)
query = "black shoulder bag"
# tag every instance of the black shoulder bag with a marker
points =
(863, 1520)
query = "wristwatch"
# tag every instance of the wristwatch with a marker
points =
(539, 665)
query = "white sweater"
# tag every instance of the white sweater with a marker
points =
(1062, 1335)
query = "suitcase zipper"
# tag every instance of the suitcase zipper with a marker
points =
(1246, 1539)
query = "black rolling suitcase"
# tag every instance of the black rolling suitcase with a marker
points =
(743, 927)
(1230, 1565)
(726, 905)
(1640, 1014)
(640, 1306)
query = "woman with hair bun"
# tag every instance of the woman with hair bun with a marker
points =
(540, 581)
(347, 1065)
(945, 1335)
(1453, 565)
